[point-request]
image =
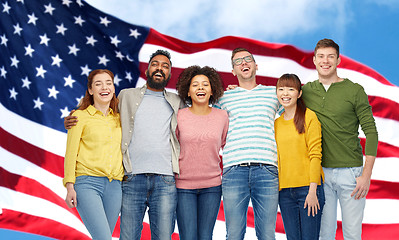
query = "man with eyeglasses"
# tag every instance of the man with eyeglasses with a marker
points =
(250, 153)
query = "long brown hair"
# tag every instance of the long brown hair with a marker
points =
(292, 80)
(88, 100)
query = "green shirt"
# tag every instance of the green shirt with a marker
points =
(340, 110)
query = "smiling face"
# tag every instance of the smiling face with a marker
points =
(326, 61)
(245, 71)
(288, 96)
(200, 90)
(158, 72)
(102, 88)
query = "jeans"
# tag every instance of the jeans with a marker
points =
(158, 193)
(339, 184)
(258, 184)
(98, 204)
(197, 210)
(297, 224)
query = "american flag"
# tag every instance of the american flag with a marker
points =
(48, 47)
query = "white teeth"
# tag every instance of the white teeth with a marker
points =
(200, 94)
(104, 94)
(158, 74)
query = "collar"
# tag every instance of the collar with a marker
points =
(92, 110)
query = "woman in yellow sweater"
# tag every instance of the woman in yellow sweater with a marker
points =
(298, 138)
(93, 160)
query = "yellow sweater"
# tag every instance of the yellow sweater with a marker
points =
(94, 146)
(299, 155)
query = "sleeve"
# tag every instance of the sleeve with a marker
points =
(225, 128)
(313, 142)
(367, 122)
(72, 148)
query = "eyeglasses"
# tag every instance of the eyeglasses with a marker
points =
(238, 61)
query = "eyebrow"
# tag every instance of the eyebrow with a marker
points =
(156, 61)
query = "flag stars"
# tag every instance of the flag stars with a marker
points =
(49, 9)
(79, 20)
(66, 2)
(115, 40)
(38, 103)
(17, 29)
(103, 60)
(79, 99)
(69, 81)
(73, 50)
(128, 76)
(117, 80)
(53, 92)
(4, 40)
(85, 70)
(26, 82)
(61, 29)
(13, 93)
(44, 39)
(56, 60)
(32, 19)
(29, 50)
(79, 2)
(119, 55)
(134, 33)
(104, 21)
(14, 61)
(91, 40)
(64, 112)
(40, 71)
(3, 72)
(6, 8)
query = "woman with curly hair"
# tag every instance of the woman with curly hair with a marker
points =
(201, 130)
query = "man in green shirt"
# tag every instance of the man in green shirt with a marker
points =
(341, 106)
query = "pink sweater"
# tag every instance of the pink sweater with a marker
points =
(201, 138)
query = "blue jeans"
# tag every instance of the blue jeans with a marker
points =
(98, 204)
(258, 184)
(339, 184)
(158, 193)
(297, 224)
(197, 210)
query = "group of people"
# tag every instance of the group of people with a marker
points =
(154, 149)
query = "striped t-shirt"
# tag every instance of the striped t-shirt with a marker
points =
(251, 125)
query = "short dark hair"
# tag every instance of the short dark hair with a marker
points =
(240, 49)
(184, 82)
(324, 43)
(160, 52)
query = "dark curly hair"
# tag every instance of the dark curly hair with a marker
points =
(184, 82)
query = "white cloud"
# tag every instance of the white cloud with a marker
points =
(198, 21)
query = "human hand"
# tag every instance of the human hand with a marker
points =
(231, 87)
(362, 187)
(70, 198)
(70, 121)
(312, 203)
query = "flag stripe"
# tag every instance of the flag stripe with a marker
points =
(20, 221)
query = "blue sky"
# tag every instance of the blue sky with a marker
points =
(367, 31)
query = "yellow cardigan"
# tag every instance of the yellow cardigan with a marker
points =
(94, 146)
(299, 155)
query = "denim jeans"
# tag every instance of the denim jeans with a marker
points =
(158, 193)
(339, 184)
(258, 184)
(297, 224)
(197, 210)
(98, 204)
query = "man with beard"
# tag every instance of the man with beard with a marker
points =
(150, 152)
